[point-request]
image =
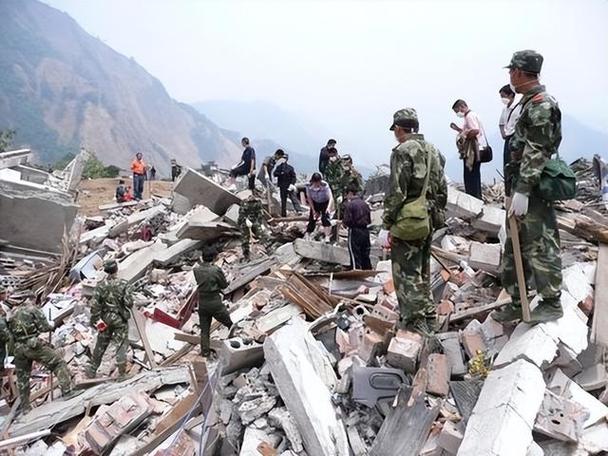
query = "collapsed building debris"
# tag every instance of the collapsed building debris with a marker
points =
(314, 363)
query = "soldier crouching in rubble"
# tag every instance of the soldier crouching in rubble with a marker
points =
(418, 193)
(250, 221)
(210, 281)
(25, 327)
(110, 312)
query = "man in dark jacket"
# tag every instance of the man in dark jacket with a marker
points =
(286, 181)
(210, 282)
(246, 167)
(324, 155)
(357, 217)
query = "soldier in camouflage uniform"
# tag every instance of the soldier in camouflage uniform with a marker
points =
(25, 327)
(537, 137)
(334, 174)
(251, 210)
(110, 313)
(351, 179)
(210, 281)
(411, 259)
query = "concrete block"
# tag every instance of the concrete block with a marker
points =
(472, 339)
(232, 214)
(438, 371)
(560, 418)
(253, 438)
(303, 391)
(491, 220)
(561, 385)
(527, 342)
(503, 417)
(237, 354)
(404, 349)
(485, 256)
(450, 342)
(451, 436)
(462, 205)
(135, 265)
(371, 346)
(198, 189)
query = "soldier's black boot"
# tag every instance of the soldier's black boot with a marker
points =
(546, 311)
(509, 313)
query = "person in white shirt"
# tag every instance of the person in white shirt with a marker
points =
(508, 119)
(472, 138)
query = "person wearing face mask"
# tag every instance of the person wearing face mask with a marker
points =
(536, 138)
(508, 119)
(470, 139)
(416, 176)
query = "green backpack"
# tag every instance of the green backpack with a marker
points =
(557, 181)
(413, 221)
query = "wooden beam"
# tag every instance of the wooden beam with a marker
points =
(140, 324)
(599, 326)
(465, 314)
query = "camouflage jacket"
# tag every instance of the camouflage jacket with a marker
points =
(408, 171)
(334, 172)
(28, 322)
(209, 278)
(112, 302)
(537, 136)
(5, 339)
(351, 178)
(251, 209)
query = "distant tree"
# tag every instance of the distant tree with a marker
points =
(95, 169)
(6, 139)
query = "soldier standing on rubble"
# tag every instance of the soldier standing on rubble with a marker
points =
(210, 281)
(250, 220)
(110, 313)
(537, 137)
(25, 327)
(334, 172)
(413, 161)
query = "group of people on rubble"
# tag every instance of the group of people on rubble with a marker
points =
(141, 173)
(414, 208)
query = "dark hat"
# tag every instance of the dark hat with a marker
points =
(528, 61)
(406, 118)
(110, 266)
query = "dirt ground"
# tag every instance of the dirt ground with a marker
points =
(95, 192)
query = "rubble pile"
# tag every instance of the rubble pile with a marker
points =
(315, 363)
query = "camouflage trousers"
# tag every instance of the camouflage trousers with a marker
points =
(411, 276)
(256, 230)
(210, 306)
(34, 349)
(119, 334)
(540, 249)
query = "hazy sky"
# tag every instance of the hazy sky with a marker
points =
(348, 65)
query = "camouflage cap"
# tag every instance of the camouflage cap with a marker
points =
(406, 117)
(528, 60)
(110, 266)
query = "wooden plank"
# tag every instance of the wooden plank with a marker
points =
(466, 393)
(478, 310)
(140, 324)
(244, 279)
(9, 418)
(519, 269)
(599, 326)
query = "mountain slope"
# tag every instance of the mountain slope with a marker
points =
(61, 88)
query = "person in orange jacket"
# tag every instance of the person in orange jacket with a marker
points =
(139, 176)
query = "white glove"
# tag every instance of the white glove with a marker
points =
(384, 239)
(519, 205)
(248, 223)
(292, 188)
(339, 199)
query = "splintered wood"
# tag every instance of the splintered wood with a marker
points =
(313, 300)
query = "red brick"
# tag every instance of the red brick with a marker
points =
(438, 371)
(404, 349)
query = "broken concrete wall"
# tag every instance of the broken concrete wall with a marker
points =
(192, 188)
(33, 218)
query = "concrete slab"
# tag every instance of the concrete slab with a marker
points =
(503, 417)
(198, 189)
(462, 205)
